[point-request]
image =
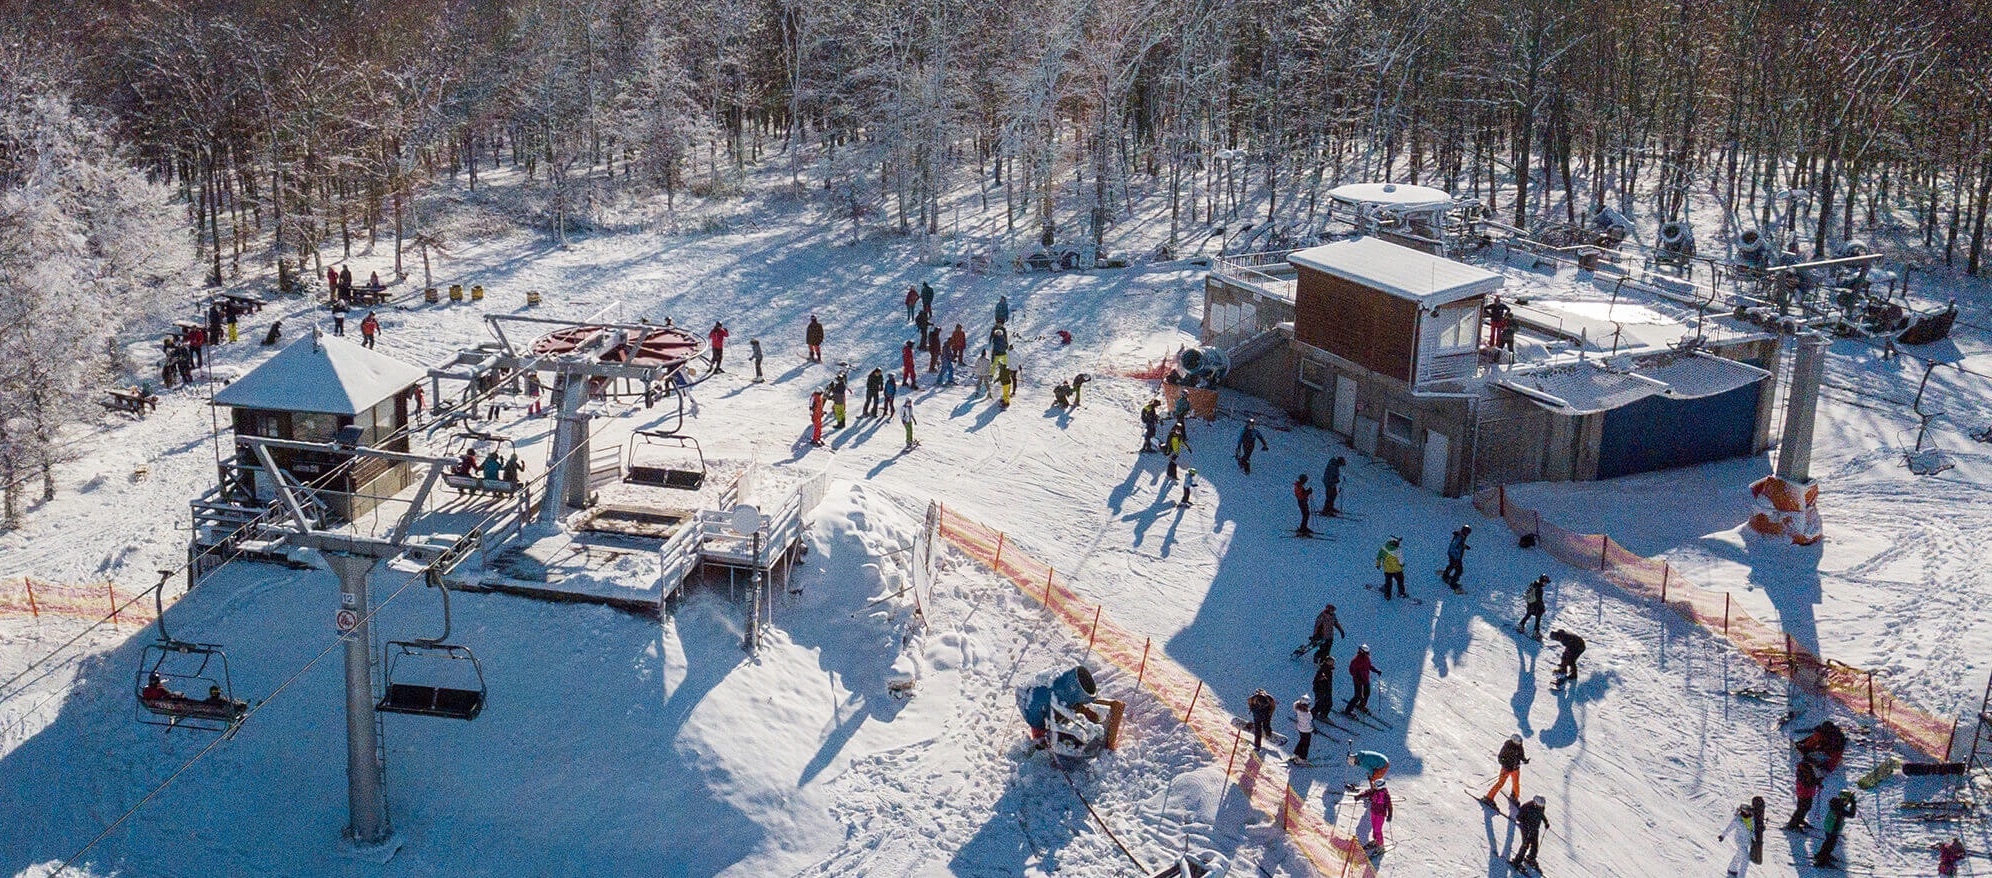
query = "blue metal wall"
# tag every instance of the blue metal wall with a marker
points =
(1662, 433)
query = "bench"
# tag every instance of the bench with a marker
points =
(477, 485)
(247, 302)
(435, 701)
(120, 400)
(369, 295)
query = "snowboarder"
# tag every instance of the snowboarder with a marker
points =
(1390, 560)
(1177, 445)
(947, 371)
(1573, 646)
(839, 390)
(339, 317)
(907, 369)
(1247, 439)
(1530, 818)
(1181, 410)
(933, 349)
(912, 301)
(1189, 481)
(1949, 855)
(890, 393)
(1303, 721)
(1261, 706)
(1360, 669)
(1324, 686)
(1371, 765)
(1824, 747)
(926, 296)
(1326, 626)
(958, 345)
(1007, 376)
(874, 386)
(1456, 557)
(1079, 388)
(906, 417)
(275, 335)
(813, 337)
(1511, 758)
(1331, 483)
(1838, 809)
(816, 417)
(1805, 783)
(369, 327)
(920, 330)
(983, 370)
(999, 346)
(1061, 395)
(1002, 310)
(716, 337)
(1378, 798)
(214, 322)
(1743, 828)
(1151, 418)
(754, 353)
(1532, 596)
(1301, 495)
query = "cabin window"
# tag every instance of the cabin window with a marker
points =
(313, 426)
(1315, 375)
(1398, 428)
(1456, 329)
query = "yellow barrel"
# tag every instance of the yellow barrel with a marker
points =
(456, 292)
(532, 298)
(477, 293)
(431, 295)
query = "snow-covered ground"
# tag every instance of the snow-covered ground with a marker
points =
(614, 745)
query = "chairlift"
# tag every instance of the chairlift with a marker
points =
(447, 660)
(663, 469)
(473, 480)
(185, 685)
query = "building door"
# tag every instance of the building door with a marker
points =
(1345, 405)
(1438, 453)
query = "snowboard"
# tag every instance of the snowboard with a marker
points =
(1757, 829)
(1309, 536)
(1303, 648)
(1240, 722)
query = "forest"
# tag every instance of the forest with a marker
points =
(270, 136)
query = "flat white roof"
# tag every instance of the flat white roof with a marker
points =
(1602, 385)
(1400, 271)
(328, 375)
(1391, 194)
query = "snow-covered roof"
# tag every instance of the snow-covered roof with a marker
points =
(1596, 386)
(329, 375)
(1395, 195)
(1400, 271)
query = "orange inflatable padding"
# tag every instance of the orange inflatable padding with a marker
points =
(1786, 508)
(1203, 400)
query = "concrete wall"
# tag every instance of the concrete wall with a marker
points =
(1377, 398)
(1220, 294)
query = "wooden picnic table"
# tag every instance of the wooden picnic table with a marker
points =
(249, 301)
(125, 399)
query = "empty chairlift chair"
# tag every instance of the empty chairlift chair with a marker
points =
(432, 677)
(665, 460)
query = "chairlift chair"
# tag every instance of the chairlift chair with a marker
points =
(188, 672)
(657, 471)
(428, 698)
(474, 482)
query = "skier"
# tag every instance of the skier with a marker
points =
(533, 388)
(906, 417)
(1378, 797)
(754, 353)
(1742, 826)
(346, 281)
(1247, 438)
(1949, 855)
(493, 466)
(1331, 483)
(1530, 818)
(716, 337)
(1824, 747)
(1261, 706)
(907, 370)
(1079, 388)
(874, 385)
(1007, 377)
(1181, 410)
(1303, 720)
(891, 392)
(983, 371)
(332, 282)
(947, 371)
(1189, 481)
(1151, 418)
(214, 322)
(999, 345)
(1805, 783)
(920, 330)
(1371, 764)
(1456, 557)
(1324, 686)
(912, 301)
(816, 417)
(369, 327)
(1326, 626)
(1533, 597)
(1573, 646)
(1002, 310)
(839, 388)
(1838, 809)
(513, 468)
(933, 349)
(1061, 395)
(813, 337)
(339, 317)
(926, 296)
(1360, 669)
(1511, 758)
(958, 345)
(1390, 560)
(1301, 495)
(1177, 445)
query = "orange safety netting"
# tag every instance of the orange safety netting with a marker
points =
(37, 598)
(1655, 580)
(1329, 850)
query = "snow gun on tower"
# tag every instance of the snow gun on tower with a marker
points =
(1066, 717)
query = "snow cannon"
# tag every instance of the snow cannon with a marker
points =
(1201, 367)
(1066, 718)
(1609, 227)
(1677, 244)
(1752, 250)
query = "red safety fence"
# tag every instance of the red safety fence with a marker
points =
(1266, 785)
(37, 598)
(1655, 579)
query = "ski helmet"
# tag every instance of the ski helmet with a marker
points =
(1539, 800)
(1363, 648)
(1377, 784)
(1303, 702)
(1743, 811)
(1517, 739)
(1466, 528)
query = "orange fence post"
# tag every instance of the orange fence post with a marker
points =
(1538, 523)
(1871, 696)
(1048, 572)
(1666, 573)
(998, 563)
(1235, 738)
(1096, 627)
(33, 608)
(1604, 552)
(1138, 672)
(1725, 613)
(111, 595)
(1193, 702)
